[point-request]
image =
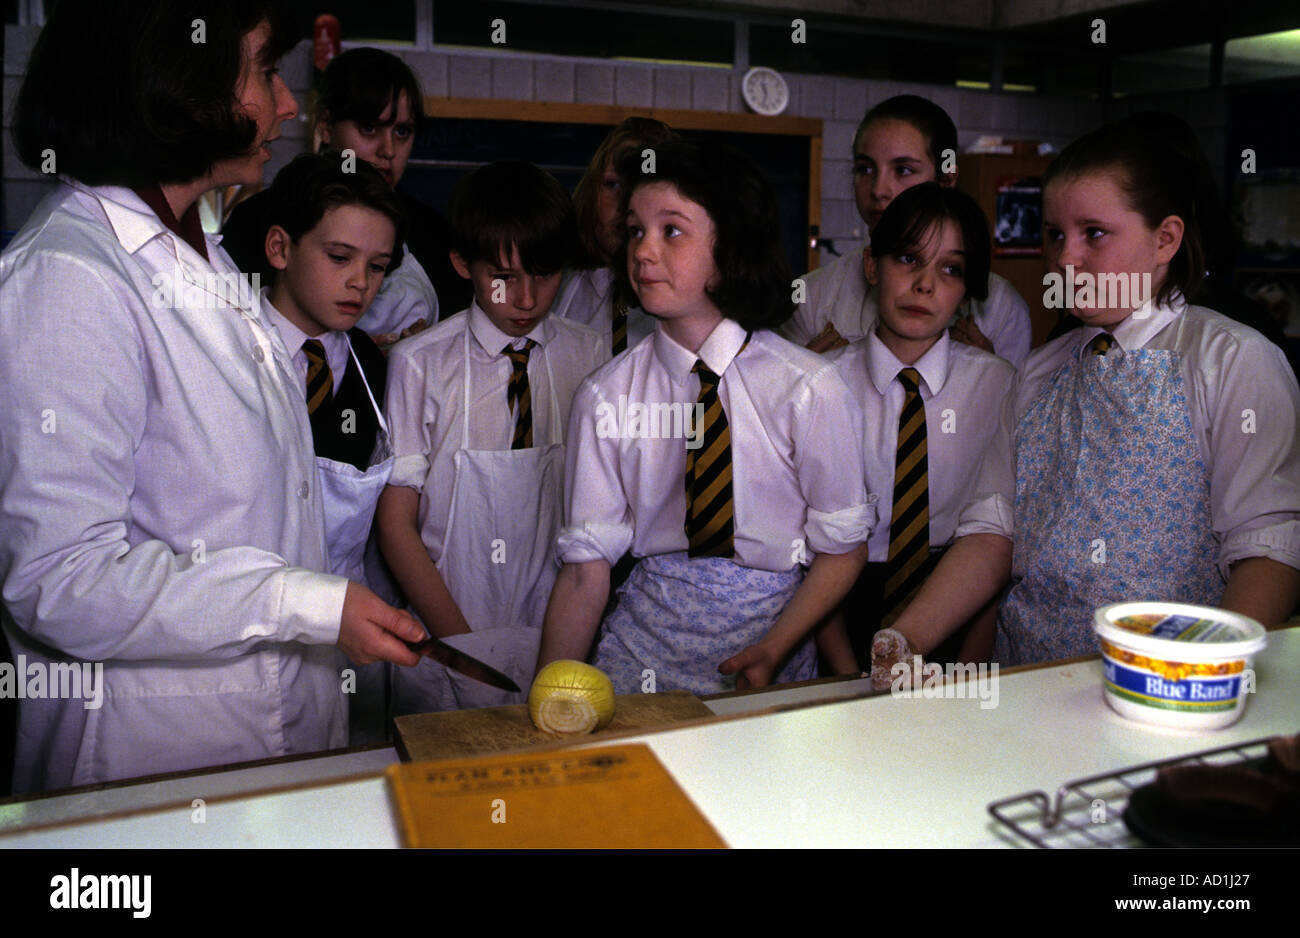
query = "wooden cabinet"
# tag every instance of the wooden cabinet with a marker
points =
(979, 175)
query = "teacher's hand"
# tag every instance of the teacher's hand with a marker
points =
(372, 630)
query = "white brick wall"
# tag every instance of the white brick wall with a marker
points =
(555, 81)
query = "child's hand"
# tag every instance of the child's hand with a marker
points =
(887, 649)
(386, 340)
(753, 667)
(827, 340)
(418, 326)
(372, 630)
(965, 330)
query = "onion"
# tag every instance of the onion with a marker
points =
(571, 698)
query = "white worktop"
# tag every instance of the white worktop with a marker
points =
(878, 771)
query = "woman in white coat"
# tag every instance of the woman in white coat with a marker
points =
(159, 504)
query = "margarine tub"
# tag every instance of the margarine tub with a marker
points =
(1176, 664)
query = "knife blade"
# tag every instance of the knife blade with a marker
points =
(467, 665)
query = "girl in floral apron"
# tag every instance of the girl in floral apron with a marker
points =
(1151, 454)
(722, 456)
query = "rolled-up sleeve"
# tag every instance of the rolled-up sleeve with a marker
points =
(597, 516)
(828, 425)
(405, 402)
(1254, 439)
(991, 506)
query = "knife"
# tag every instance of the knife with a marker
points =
(467, 665)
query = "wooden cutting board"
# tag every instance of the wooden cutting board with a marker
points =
(460, 733)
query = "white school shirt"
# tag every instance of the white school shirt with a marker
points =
(1228, 370)
(405, 296)
(425, 400)
(587, 296)
(334, 343)
(797, 472)
(159, 504)
(962, 388)
(838, 293)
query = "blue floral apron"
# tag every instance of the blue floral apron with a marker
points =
(681, 618)
(1112, 503)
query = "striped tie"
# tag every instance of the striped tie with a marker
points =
(1101, 343)
(320, 380)
(710, 515)
(620, 324)
(518, 396)
(909, 526)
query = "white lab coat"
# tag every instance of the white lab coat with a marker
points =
(159, 507)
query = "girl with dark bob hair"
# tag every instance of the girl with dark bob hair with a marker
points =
(929, 255)
(714, 451)
(158, 492)
(754, 281)
(927, 207)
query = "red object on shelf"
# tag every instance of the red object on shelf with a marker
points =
(326, 39)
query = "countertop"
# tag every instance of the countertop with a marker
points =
(825, 764)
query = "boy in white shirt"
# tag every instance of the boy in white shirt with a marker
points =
(330, 233)
(902, 142)
(477, 406)
(930, 406)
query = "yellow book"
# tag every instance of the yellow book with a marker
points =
(616, 796)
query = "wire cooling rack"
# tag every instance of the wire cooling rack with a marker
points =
(1088, 812)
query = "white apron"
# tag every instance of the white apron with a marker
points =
(498, 561)
(350, 497)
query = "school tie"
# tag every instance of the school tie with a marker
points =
(710, 515)
(518, 396)
(320, 380)
(620, 325)
(909, 526)
(1101, 343)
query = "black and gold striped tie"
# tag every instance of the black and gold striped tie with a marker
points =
(619, 334)
(518, 395)
(909, 526)
(320, 380)
(710, 513)
(1101, 343)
